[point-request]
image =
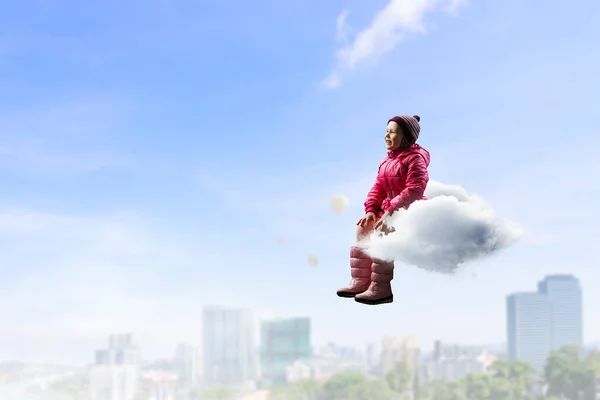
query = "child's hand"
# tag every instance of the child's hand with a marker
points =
(367, 219)
(382, 224)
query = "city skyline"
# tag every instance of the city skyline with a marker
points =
(234, 359)
(151, 159)
(531, 303)
(116, 371)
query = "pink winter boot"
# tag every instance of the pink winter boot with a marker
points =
(360, 270)
(380, 290)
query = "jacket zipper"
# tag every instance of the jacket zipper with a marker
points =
(390, 192)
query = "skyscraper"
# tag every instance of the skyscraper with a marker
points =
(528, 328)
(539, 322)
(282, 343)
(186, 365)
(564, 294)
(229, 356)
(115, 374)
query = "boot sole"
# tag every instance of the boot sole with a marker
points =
(349, 295)
(385, 300)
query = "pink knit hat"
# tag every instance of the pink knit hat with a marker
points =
(410, 127)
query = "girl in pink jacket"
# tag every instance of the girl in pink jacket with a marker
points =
(401, 180)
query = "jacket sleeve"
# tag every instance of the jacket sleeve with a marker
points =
(417, 178)
(375, 197)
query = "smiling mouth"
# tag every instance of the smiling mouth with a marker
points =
(388, 142)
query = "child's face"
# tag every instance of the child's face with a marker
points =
(393, 136)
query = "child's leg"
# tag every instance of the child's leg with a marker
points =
(380, 288)
(360, 265)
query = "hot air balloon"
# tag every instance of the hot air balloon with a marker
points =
(282, 240)
(313, 260)
(339, 203)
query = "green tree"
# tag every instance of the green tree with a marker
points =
(570, 376)
(355, 386)
(220, 393)
(505, 381)
(399, 378)
(343, 385)
(502, 388)
(593, 361)
(478, 386)
(445, 390)
(516, 374)
(307, 389)
(375, 390)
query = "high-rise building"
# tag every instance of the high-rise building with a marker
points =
(539, 322)
(564, 294)
(120, 341)
(228, 351)
(120, 351)
(186, 364)
(283, 342)
(116, 373)
(528, 328)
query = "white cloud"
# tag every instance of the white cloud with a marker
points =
(453, 227)
(342, 26)
(385, 32)
(454, 5)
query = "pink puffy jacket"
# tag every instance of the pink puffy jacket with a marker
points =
(401, 180)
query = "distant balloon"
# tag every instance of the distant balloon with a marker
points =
(282, 240)
(339, 204)
(313, 260)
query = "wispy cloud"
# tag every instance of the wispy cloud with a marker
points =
(41, 251)
(341, 26)
(385, 32)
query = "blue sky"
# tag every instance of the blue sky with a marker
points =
(152, 154)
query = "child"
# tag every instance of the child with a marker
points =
(401, 180)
